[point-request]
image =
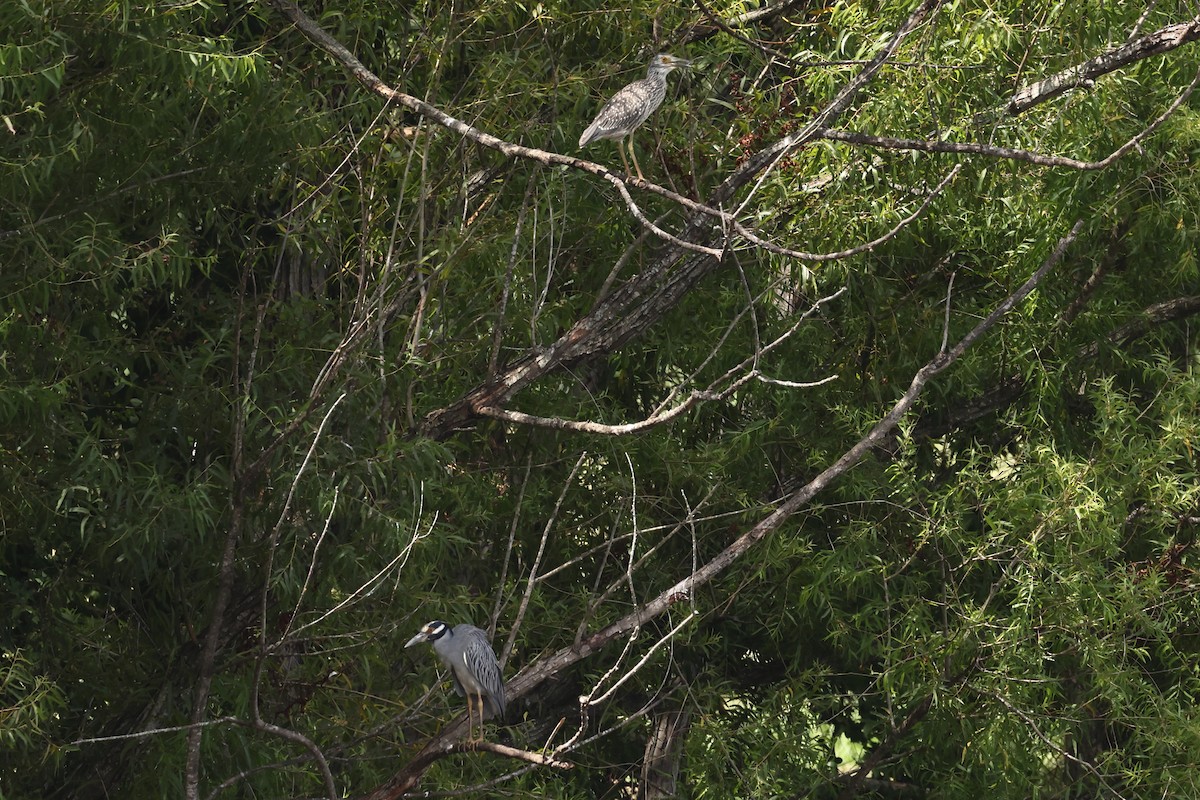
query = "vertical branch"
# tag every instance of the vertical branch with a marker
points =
(634, 539)
(537, 562)
(273, 543)
(512, 534)
(212, 637)
(664, 748)
(501, 310)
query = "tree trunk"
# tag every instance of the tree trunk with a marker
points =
(664, 750)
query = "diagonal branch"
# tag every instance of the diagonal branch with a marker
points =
(1157, 314)
(836, 108)
(340, 53)
(641, 302)
(1085, 74)
(994, 151)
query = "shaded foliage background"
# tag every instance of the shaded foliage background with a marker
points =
(235, 283)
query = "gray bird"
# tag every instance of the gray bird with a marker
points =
(630, 107)
(466, 651)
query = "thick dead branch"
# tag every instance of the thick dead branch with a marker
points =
(993, 151)
(539, 759)
(1085, 74)
(1157, 314)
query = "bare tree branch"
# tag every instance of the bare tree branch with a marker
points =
(865, 247)
(537, 561)
(1167, 311)
(375, 84)
(1085, 74)
(643, 300)
(539, 759)
(994, 151)
(665, 412)
(242, 381)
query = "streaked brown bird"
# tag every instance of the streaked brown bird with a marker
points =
(630, 107)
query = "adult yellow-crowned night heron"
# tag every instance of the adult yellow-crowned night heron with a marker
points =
(466, 651)
(631, 106)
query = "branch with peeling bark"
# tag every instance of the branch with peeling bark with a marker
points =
(670, 408)
(1152, 44)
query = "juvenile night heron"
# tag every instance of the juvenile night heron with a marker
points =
(630, 107)
(466, 651)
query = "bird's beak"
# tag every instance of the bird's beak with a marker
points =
(420, 637)
(682, 62)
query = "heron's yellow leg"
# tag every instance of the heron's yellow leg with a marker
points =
(633, 154)
(621, 150)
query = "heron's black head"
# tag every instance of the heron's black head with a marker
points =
(430, 632)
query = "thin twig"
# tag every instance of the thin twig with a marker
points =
(371, 584)
(645, 658)
(502, 306)
(502, 582)
(537, 561)
(865, 247)
(946, 322)
(1049, 742)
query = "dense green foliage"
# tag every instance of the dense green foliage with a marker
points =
(235, 282)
